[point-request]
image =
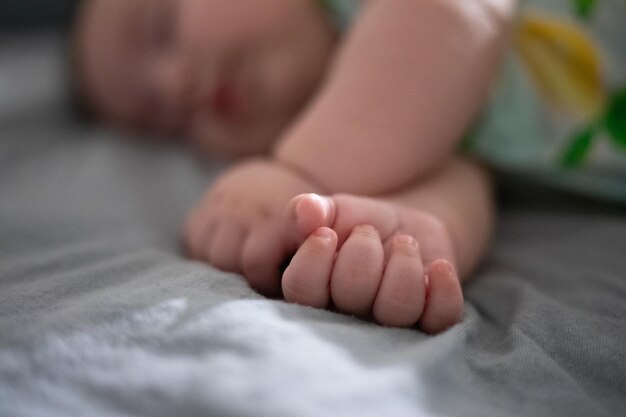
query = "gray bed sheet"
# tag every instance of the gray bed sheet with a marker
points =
(101, 314)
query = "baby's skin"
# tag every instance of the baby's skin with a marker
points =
(348, 194)
(391, 259)
(359, 254)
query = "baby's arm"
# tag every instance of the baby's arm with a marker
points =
(405, 85)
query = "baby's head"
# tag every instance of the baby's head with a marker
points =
(227, 74)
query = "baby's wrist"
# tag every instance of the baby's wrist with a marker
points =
(276, 171)
(295, 170)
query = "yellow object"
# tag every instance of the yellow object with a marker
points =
(563, 62)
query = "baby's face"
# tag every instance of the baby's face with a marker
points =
(227, 74)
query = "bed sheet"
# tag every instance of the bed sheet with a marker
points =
(101, 315)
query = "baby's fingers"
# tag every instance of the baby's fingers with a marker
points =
(196, 233)
(265, 251)
(225, 250)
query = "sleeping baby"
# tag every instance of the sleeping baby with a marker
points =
(362, 130)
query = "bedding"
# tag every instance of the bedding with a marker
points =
(102, 315)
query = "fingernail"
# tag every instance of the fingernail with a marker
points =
(316, 200)
(366, 229)
(406, 240)
(446, 267)
(324, 233)
(322, 201)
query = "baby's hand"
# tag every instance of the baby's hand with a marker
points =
(237, 225)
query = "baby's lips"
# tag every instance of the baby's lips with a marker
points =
(226, 101)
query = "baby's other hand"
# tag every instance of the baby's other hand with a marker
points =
(237, 225)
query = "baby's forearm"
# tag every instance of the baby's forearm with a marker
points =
(405, 86)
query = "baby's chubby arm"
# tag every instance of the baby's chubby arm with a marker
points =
(406, 83)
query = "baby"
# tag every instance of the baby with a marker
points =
(347, 128)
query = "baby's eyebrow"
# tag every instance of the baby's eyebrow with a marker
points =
(135, 22)
(154, 18)
(146, 21)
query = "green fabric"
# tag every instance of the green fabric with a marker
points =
(523, 129)
(341, 12)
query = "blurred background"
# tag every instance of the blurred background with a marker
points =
(31, 14)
